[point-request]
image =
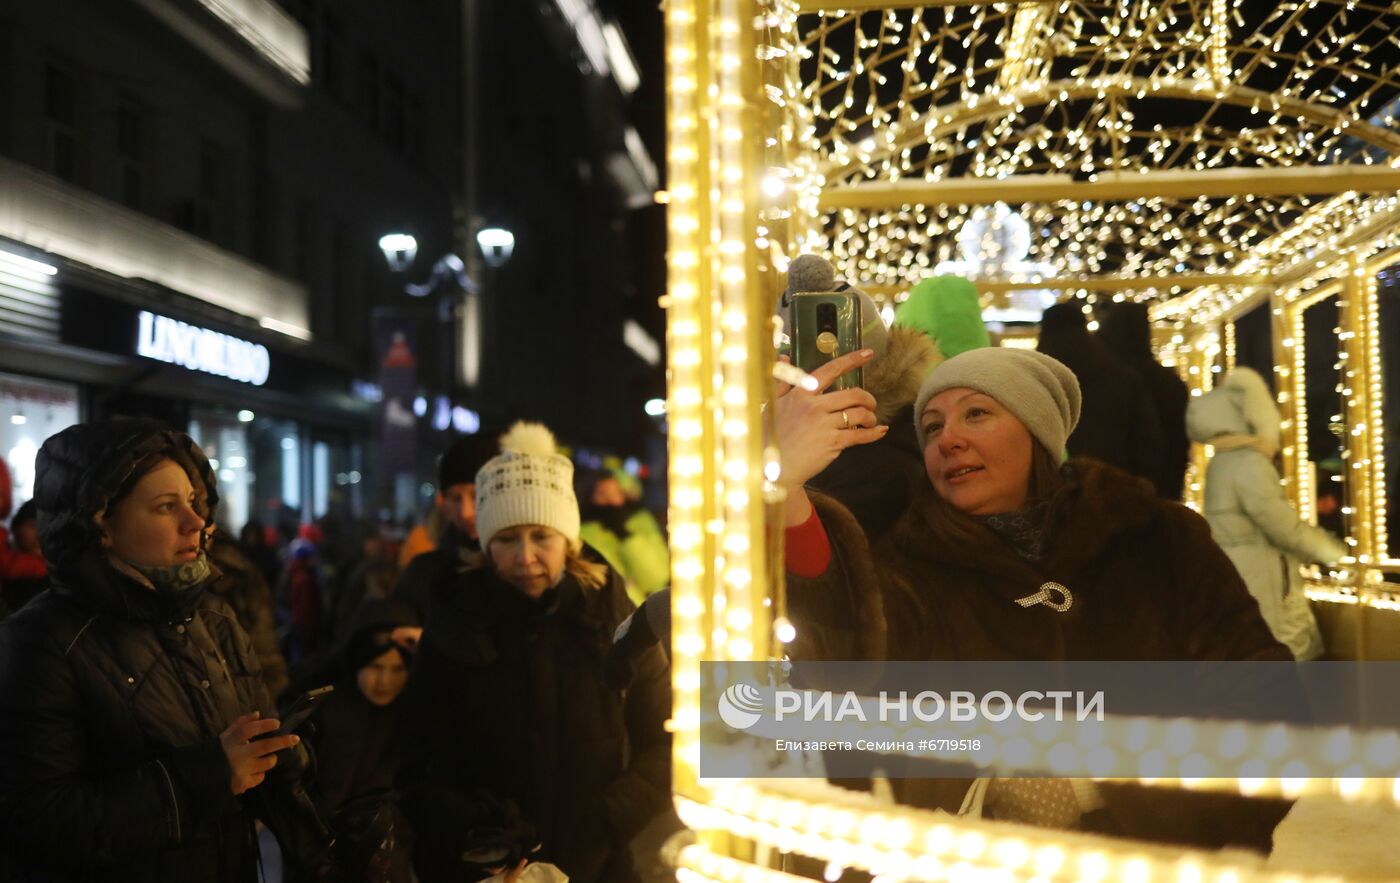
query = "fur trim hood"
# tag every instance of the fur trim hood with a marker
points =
(894, 378)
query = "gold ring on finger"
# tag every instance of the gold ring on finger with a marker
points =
(845, 421)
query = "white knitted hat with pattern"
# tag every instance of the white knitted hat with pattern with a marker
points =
(529, 482)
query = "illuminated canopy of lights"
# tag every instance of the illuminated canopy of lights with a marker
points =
(973, 93)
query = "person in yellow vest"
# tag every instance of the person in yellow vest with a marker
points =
(624, 533)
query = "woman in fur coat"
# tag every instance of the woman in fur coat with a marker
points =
(1248, 514)
(1008, 552)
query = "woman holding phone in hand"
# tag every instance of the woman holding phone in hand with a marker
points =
(134, 726)
(1009, 551)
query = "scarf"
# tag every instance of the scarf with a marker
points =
(1024, 529)
(177, 579)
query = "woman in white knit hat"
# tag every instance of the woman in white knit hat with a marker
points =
(1009, 551)
(508, 701)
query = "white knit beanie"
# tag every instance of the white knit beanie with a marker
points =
(529, 482)
(1040, 391)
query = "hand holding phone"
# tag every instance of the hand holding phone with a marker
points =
(826, 326)
(301, 708)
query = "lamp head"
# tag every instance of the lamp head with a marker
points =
(399, 250)
(496, 245)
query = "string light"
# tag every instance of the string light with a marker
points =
(768, 110)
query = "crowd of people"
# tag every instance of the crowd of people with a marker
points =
(468, 732)
(479, 701)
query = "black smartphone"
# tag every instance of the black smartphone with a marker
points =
(825, 325)
(301, 708)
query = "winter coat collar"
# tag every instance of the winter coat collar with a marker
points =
(93, 583)
(1097, 505)
(894, 378)
(483, 604)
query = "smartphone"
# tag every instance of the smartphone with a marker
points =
(300, 709)
(825, 325)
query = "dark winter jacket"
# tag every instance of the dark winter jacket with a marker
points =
(1148, 584)
(240, 583)
(358, 750)
(875, 481)
(507, 695)
(454, 554)
(1117, 421)
(113, 696)
(1128, 334)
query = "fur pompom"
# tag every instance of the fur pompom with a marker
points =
(529, 438)
(810, 272)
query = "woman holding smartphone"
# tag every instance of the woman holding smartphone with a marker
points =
(134, 725)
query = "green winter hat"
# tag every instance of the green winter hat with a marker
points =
(947, 309)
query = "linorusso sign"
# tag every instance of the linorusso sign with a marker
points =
(200, 349)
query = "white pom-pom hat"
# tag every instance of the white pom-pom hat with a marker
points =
(529, 482)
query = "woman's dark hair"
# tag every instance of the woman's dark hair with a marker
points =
(145, 465)
(1046, 478)
(1046, 481)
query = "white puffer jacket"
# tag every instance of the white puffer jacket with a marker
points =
(1249, 516)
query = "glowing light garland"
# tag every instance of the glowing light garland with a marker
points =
(948, 91)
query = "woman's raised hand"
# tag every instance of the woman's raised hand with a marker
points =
(250, 758)
(812, 428)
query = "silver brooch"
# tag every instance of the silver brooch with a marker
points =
(1052, 595)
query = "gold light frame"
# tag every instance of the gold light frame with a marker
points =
(725, 66)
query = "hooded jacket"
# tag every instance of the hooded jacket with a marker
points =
(875, 481)
(1127, 332)
(1148, 584)
(113, 696)
(1248, 514)
(507, 700)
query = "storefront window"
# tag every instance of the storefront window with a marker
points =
(277, 485)
(31, 411)
(224, 438)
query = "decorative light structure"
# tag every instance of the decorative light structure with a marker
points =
(835, 102)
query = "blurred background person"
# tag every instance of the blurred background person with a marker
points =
(457, 547)
(623, 532)
(253, 542)
(301, 596)
(1118, 424)
(241, 584)
(16, 563)
(17, 589)
(1127, 332)
(369, 578)
(1249, 515)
